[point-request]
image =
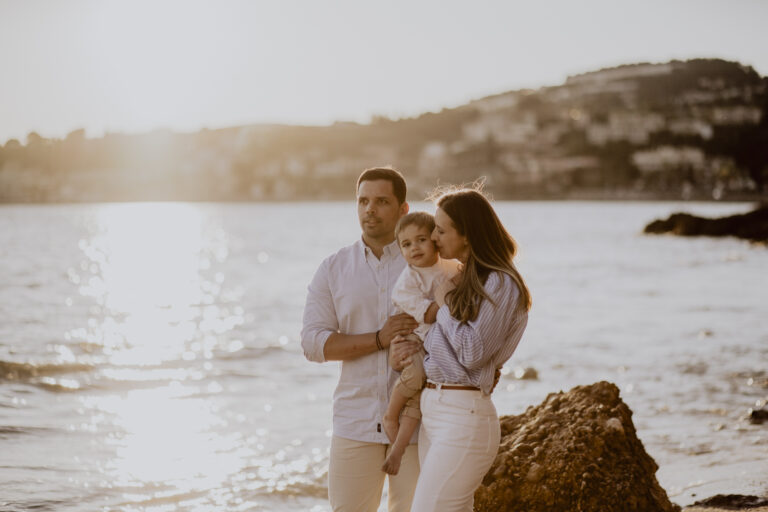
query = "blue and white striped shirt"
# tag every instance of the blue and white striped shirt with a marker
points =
(469, 353)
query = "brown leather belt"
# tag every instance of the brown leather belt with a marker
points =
(431, 385)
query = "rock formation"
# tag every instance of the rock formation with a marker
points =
(733, 502)
(576, 451)
(751, 226)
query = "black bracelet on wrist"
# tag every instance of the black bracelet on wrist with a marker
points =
(378, 341)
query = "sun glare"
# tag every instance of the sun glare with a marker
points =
(144, 264)
(169, 439)
(149, 268)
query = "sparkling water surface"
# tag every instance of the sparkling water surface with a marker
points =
(150, 356)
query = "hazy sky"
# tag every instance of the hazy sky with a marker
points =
(139, 65)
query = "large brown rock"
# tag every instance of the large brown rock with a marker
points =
(576, 451)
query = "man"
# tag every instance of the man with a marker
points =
(348, 318)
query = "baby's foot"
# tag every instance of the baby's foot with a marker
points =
(391, 427)
(392, 463)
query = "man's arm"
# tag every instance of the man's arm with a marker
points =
(320, 321)
(341, 347)
(320, 336)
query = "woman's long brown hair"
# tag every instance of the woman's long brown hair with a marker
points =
(491, 248)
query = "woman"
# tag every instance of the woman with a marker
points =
(479, 324)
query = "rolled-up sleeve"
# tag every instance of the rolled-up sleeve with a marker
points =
(320, 320)
(475, 342)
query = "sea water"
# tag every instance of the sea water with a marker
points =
(150, 357)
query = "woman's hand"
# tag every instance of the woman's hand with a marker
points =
(496, 378)
(442, 290)
(401, 350)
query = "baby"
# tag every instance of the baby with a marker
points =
(414, 294)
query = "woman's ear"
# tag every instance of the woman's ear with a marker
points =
(467, 249)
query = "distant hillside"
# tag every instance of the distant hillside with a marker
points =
(693, 129)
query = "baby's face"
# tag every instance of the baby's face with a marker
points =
(417, 246)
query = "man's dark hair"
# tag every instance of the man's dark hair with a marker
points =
(388, 174)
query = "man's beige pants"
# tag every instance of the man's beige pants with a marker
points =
(356, 480)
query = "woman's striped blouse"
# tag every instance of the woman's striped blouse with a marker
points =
(469, 353)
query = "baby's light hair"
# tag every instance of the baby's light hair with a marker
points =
(418, 219)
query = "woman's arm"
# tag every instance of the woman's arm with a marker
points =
(476, 341)
(430, 316)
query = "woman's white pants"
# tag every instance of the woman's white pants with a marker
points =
(458, 441)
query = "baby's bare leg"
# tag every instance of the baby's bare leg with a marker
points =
(409, 384)
(408, 426)
(390, 421)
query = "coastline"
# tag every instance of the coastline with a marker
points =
(586, 196)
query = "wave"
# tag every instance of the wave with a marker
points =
(38, 505)
(12, 370)
(202, 496)
(166, 498)
(311, 489)
(62, 386)
(251, 352)
(311, 481)
(10, 430)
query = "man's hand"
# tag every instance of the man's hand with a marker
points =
(401, 349)
(397, 325)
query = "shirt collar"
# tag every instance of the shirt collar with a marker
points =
(390, 250)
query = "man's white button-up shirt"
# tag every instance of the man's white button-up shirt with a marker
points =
(350, 294)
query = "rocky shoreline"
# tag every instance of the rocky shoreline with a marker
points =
(751, 226)
(579, 451)
(731, 502)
